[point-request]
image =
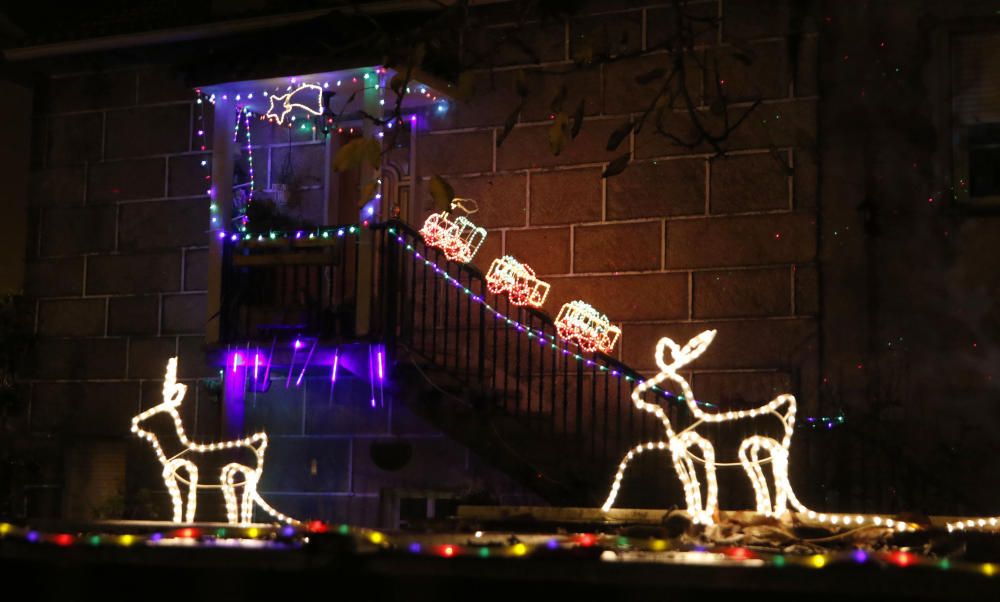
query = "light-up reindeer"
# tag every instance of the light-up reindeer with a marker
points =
(238, 510)
(680, 444)
(781, 408)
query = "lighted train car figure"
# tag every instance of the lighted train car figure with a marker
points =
(460, 239)
(580, 323)
(508, 275)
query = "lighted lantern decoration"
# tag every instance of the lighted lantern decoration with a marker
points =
(755, 451)
(459, 238)
(239, 510)
(508, 275)
(579, 322)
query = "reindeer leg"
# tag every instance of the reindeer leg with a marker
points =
(192, 502)
(170, 480)
(229, 493)
(689, 476)
(249, 493)
(752, 467)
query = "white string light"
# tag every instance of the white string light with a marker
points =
(975, 524)
(578, 321)
(237, 512)
(680, 444)
(508, 275)
(296, 99)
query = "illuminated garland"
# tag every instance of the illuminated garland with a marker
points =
(508, 275)
(976, 524)
(237, 511)
(580, 323)
(684, 460)
(613, 548)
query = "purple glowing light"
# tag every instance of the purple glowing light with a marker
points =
(415, 548)
(237, 360)
(256, 365)
(298, 344)
(221, 234)
(32, 536)
(860, 556)
(552, 544)
(380, 376)
(333, 372)
(287, 531)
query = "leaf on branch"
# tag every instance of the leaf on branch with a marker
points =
(620, 133)
(577, 120)
(557, 133)
(442, 193)
(617, 166)
(650, 76)
(560, 98)
(509, 124)
(358, 151)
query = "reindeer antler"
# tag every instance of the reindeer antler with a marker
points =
(682, 356)
(173, 392)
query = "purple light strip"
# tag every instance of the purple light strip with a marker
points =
(371, 381)
(336, 360)
(312, 349)
(380, 375)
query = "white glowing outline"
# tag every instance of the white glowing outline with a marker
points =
(680, 443)
(236, 512)
(579, 322)
(976, 524)
(508, 275)
(460, 239)
(288, 106)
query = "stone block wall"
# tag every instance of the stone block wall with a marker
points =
(683, 239)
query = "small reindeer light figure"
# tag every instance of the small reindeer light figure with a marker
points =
(680, 444)
(237, 511)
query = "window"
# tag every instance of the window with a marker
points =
(975, 81)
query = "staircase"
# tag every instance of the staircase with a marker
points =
(497, 378)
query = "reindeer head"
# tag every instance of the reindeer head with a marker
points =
(682, 356)
(173, 395)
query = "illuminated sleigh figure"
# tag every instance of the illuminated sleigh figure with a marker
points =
(781, 408)
(508, 275)
(580, 323)
(460, 239)
(238, 511)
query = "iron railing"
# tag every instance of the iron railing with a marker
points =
(564, 414)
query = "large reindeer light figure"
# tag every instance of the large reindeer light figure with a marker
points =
(238, 511)
(781, 409)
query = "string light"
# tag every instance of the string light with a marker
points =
(237, 512)
(684, 460)
(508, 275)
(579, 322)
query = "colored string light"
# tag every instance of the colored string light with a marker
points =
(237, 512)
(551, 341)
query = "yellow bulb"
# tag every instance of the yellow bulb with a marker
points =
(658, 545)
(126, 540)
(4, 528)
(253, 532)
(818, 561)
(989, 570)
(376, 537)
(520, 549)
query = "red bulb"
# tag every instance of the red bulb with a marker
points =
(317, 526)
(64, 539)
(448, 551)
(902, 558)
(188, 533)
(739, 553)
(586, 540)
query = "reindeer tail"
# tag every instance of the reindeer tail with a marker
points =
(274, 513)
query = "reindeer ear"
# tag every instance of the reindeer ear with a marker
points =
(697, 345)
(661, 353)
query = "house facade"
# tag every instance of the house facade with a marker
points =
(840, 235)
